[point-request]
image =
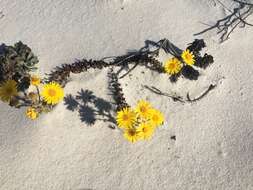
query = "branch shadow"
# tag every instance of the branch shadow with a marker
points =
(90, 107)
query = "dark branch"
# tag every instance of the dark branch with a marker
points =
(241, 2)
(129, 71)
(211, 87)
(179, 98)
(228, 24)
(159, 92)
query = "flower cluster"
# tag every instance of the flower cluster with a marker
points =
(139, 123)
(174, 65)
(42, 100)
(186, 61)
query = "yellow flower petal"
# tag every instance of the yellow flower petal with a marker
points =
(146, 130)
(132, 135)
(52, 93)
(31, 113)
(156, 118)
(172, 66)
(188, 57)
(35, 80)
(126, 118)
(143, 108)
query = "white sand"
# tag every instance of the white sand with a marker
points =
(214, 145)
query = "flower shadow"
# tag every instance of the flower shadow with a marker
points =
(90, 107)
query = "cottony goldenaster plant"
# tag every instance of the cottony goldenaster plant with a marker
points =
(20, 88)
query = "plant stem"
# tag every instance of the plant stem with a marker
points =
(38, 92)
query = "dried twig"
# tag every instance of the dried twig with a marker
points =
(243, 2)
(143, 60)
(129, 71)
(142, 57)
(159, 92)
(228, 24)
(179, 98)
(211, 87)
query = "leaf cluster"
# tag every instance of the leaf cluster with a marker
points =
(16, 63)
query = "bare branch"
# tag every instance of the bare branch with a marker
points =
(159, 92)
(229, 23)
(242, 2)
(211, 87)
(179, 98)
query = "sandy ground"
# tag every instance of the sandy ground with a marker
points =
(214, 137)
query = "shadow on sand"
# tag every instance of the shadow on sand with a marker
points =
(90, 107)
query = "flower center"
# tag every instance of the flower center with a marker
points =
(9, 91)
(131, 133)
(125, 117)
(145, 129)
(188, 56)
(143, 109)
(172, 65)
(155, 117)
(51, 92)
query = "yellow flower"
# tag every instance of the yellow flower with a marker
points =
(126, 117)
(172, 66)
(7, 90)
(156, 118)
(132, 135)
(52, 93)
(143, 108)
(146, 130)
(188, 57)
(31, 113)
(35, 80)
